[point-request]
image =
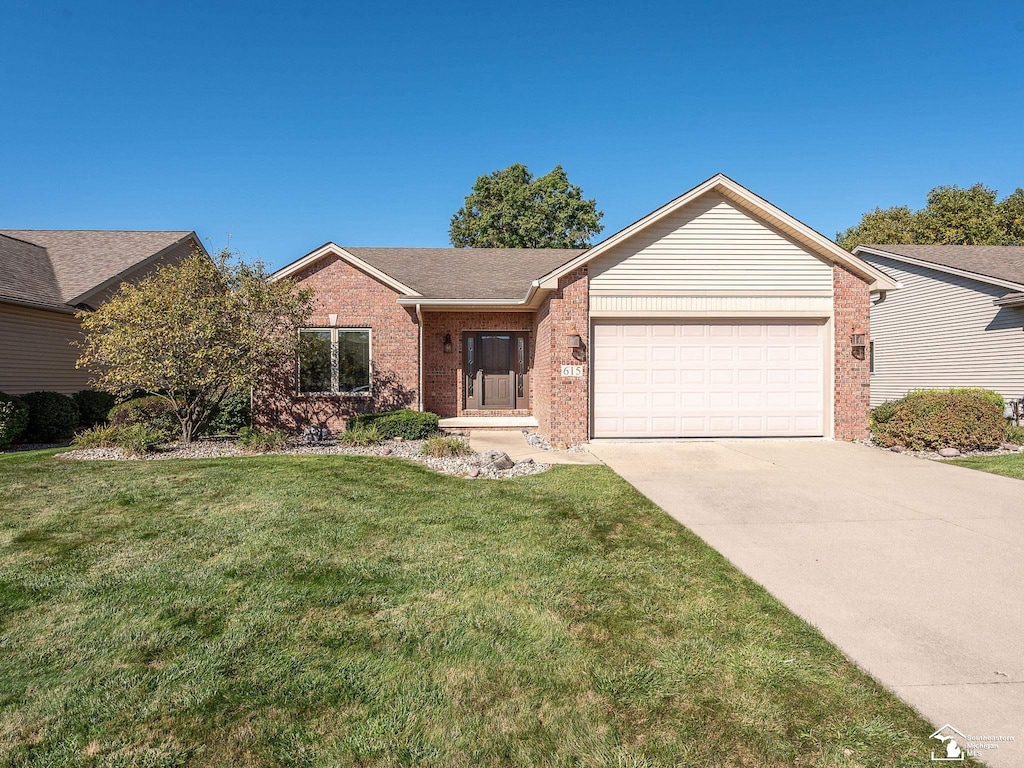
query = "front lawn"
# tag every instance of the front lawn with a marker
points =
(360, 611)
(1010, 464)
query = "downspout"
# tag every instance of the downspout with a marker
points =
(419, 384)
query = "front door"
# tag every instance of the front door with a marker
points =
(495, 370)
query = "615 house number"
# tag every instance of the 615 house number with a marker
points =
(572, 370)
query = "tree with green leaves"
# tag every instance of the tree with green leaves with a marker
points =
(193, 332)
(512, 209)
(952, 216)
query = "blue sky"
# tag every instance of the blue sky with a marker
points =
(286, 125)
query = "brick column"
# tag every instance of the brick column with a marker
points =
(563, 402)
(852, 302)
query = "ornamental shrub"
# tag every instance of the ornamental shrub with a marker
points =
(13, 419)
(99, 436)
(967, 419)
(1015, 434)
(52, 417)
(260, 441)
(93, 406)
(882, 413)
(360, 437)
(406, 424)
(446, 446)
(137, 439)
(133, 439)
(152, 412)
(984, 394)
(231, 415)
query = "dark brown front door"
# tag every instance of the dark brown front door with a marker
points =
(495, 368)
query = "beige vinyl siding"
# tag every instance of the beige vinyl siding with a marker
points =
(710, 245)
(36, 351)
(942, 330)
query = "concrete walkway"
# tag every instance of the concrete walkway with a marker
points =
(915, 569)
(513, 442)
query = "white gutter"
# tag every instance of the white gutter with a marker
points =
(523, 303)
(1010, 300)
(419, 386)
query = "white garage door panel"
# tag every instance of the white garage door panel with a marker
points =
(708, 380)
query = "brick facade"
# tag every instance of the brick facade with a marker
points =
(562, 403)
(852, 306)
(442, 373)
(359, 301)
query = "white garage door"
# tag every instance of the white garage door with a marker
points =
(708, 379)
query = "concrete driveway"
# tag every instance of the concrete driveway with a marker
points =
(914, 569)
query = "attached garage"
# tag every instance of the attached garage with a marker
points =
(720, 315)
(709, 379)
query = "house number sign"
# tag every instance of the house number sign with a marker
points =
(572, 370)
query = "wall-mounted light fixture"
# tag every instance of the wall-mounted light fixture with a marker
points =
(447, 343)
(858, 342)
(333, 319)
(575, 342)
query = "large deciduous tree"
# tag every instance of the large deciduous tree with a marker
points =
(192, 332)
(512, 209)
(952, 216)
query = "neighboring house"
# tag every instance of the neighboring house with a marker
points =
(957, 320)
(716, 315)
(47, 275)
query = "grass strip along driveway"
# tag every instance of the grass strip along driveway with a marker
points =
(1011, 465)
(364, 611)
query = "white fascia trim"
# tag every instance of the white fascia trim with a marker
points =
(940, 268)
(331, 249)
(1010, 302)
(527, 303)
(778, 217)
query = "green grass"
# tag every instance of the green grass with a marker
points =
(356, 611)
(1011, 465)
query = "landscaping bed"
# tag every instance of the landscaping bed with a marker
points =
(946, 424)
(1007, 449)
(479, 465)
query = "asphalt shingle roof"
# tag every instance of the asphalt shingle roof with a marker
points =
(26, 273)
(56, 266)
(1003, 262)
(466, 273)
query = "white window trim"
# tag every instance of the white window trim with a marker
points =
(334, 363)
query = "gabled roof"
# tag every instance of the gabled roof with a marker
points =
(1001, 265)
(488, 274)
(754, 204)
(59, 268)
(511, 276)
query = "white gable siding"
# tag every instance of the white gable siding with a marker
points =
(941, 330)
(709, 245)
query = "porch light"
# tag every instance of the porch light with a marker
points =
(858, 342)
(575, 341)
(333, 318)
(447, 343)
